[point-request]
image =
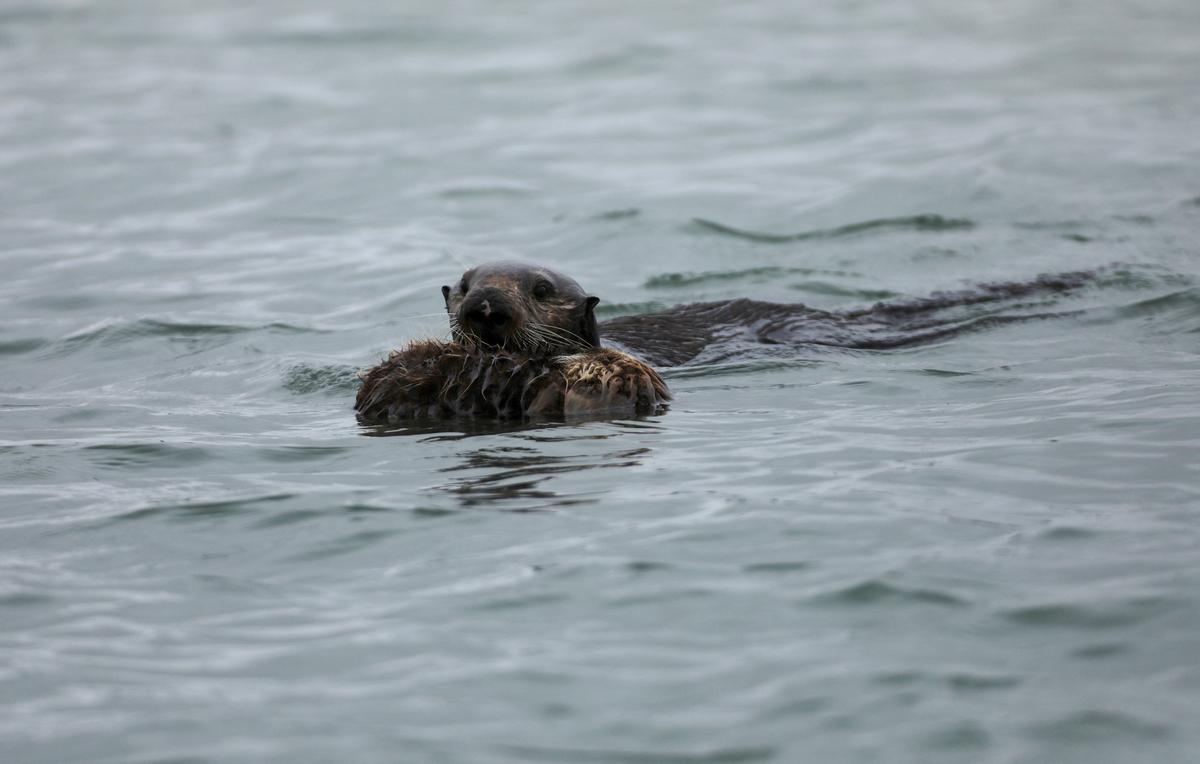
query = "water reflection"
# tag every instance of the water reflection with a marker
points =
(436, 430)
(516, 477)
(521, 473)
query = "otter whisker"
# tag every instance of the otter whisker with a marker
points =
(468, 337)
(538, 335)
(435, 314)
(544, 330)
(521, 340)
(563, 336)
(533, 342)
(539, 340)
(560, 331)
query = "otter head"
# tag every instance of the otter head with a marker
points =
(521, 307)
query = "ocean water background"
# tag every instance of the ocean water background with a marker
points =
(983, 550)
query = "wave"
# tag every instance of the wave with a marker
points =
(305, 379)
(760, 274)
(874, 591)
(604, 310)
(204, 509)
(927, 222)
(1096, 616)
(1185, 301)
(119, 332)
(27, 345)
(145, 455)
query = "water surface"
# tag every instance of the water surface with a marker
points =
(981, 550)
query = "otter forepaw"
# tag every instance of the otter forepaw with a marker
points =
(610, 382)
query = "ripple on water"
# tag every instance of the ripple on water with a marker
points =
(965, 682)
(826, 289)
(514, 475)
(520, 603)
(621, 214)
(290, 517)
(306, 379)
(122, 455)
(609, 309)
(294, 516)
(1102, 650)
(961, 682)
(114, 333)
(344, 545)
(290, 454)
(926, 223)
(20, 599)
(758, 275)
(643, 567)
(1093, 725)
(1107, 615)
(201, 510)
(1068, 533)
(875, 592)
(1178, 311)
(337, 36)
(785, 566)
(745, 755)
(961, 736)
(17, 347)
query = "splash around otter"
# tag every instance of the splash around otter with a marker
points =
(524, 343)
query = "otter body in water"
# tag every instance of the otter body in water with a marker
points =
(525, 343)
(713, 332)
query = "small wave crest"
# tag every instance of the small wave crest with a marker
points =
(1095, 616)
(1095, 724)
(876, 592)
(306, 379)
(926, 222)
(759, 275)
(200, 510)
(17, 347)
(605, 310)
(110, 333)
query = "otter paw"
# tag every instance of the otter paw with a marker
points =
(610, 382)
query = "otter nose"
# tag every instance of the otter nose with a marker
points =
(489, 315)
(486, 314)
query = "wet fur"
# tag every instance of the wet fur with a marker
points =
(432, 379)
(711, 332)
(524, 345)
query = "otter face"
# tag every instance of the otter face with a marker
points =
(527, 308)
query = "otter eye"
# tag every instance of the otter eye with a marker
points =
(543, 289)
(463, 286)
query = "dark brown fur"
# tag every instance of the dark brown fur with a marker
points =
(432, 379)
(525, 344)
(711, 332)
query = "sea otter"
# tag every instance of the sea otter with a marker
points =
(525, 343)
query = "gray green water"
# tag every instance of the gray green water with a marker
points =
(984, 550)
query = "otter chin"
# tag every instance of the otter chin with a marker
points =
(524, 343)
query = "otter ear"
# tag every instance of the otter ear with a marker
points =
(446, 296)
(587, 324)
